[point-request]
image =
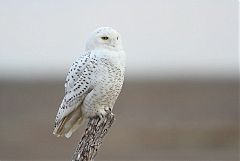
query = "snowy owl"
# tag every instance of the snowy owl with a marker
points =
(93, 82)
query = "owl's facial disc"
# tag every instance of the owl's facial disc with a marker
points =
(105, 37)
(109, 39)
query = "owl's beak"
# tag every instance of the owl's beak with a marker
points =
(113, 43)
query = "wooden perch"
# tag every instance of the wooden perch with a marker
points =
(92, 138)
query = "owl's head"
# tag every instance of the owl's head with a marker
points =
(105, 38)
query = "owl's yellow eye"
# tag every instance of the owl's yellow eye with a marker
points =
(104, 37)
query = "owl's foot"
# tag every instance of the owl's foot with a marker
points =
(102, 113)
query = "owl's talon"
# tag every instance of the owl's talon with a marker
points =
(108, 110)
(101, 116)
(101, 120)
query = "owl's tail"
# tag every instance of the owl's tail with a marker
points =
(69, 124)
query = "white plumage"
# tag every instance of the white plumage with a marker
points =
(93, 82)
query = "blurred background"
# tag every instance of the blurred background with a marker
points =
(180, 97)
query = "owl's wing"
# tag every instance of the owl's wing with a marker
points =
(77, 86)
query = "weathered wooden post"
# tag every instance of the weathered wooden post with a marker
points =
(93, 137)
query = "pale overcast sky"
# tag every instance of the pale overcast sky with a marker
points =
(162, 38)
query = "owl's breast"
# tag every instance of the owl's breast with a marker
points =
(107, 85)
